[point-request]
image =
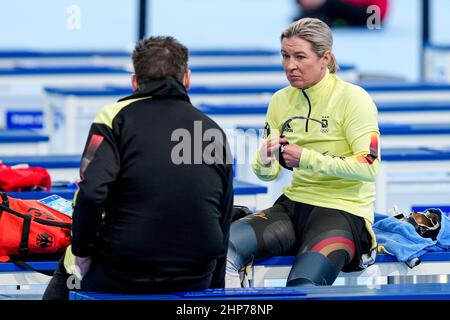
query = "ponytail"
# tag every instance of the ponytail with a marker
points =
(332, 65)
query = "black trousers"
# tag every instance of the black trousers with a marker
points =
(293, 228)
(97, 280)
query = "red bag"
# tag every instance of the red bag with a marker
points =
(28, 227)
(22, 177)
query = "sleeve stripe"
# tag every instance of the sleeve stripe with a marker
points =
(94, 144)
(373, 155)
(374, 145)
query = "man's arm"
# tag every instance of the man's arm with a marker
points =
(218, 280)
(99, 168)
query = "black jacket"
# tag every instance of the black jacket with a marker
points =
(164, 222)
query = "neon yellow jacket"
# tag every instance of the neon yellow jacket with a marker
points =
(340, 158)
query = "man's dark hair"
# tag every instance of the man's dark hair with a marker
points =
(157, 58)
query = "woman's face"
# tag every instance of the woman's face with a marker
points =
(303, 67)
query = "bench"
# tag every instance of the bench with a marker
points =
(416, 176)
(14, 277)
(22, 142)
(431, 291)
(436, 264)
(64, 169)
(245, 194)
(433, 264)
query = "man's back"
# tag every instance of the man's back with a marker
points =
(154, 206)
(167, 212)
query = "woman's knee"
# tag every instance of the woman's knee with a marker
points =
(322, 258)
(312, 268)
(242, 245)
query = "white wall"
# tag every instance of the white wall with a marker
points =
(46, 24)
(105, 24)
(440, 23)
(222, 24)
(393, 50)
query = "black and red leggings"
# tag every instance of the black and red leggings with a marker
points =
(323, 240)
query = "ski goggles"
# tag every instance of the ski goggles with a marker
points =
(427, 223)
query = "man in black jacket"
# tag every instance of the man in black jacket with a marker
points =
(154, 205)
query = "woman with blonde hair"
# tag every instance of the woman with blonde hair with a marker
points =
(326, 131)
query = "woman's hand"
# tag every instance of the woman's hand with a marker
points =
(268, 150)
(291, 154)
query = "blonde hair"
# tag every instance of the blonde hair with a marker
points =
(315, 32)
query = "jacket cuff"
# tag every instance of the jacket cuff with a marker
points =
(80, 252)
(259, 161)
(305, 159)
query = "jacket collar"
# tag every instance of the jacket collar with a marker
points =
(165, 88)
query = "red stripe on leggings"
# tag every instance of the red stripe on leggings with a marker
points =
(321, 244)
